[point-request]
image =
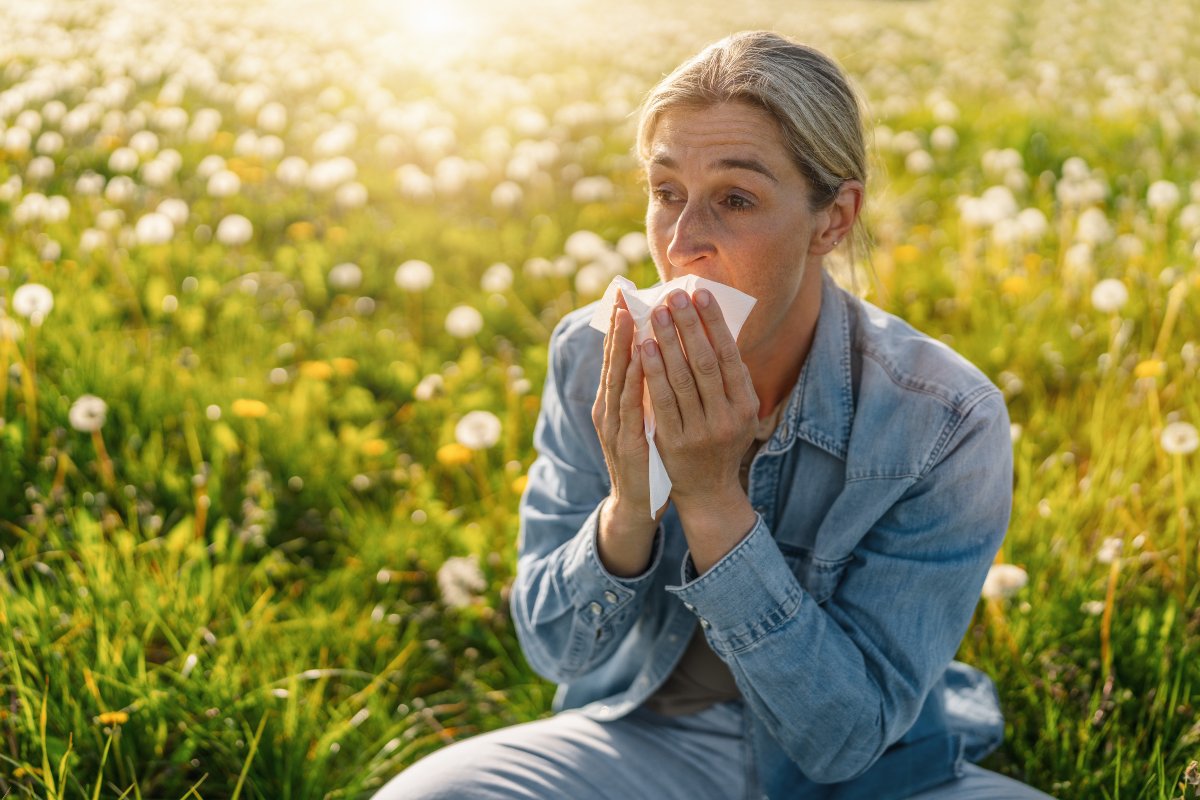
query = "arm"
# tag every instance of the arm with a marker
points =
(570, 611)
(859, 668)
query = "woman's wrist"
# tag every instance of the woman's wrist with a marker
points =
(714, 525)
(625, 538)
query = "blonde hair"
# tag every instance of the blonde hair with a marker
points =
(804, 90)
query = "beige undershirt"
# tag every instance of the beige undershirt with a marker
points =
(701, 678)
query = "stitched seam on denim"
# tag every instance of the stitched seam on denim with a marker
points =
(939, 392)
(952, 428)
(748, 635)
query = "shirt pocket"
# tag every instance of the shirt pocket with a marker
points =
(819, 576)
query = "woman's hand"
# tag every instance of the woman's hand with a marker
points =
(626, 527)
(706, 411)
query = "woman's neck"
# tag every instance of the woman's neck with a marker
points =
(776, 365)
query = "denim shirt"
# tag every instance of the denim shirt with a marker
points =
(881, 500)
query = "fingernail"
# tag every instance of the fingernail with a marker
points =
(679, 299)
(651, 349)
(703, 298)
(662, 316)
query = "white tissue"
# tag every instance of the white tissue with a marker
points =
(735, 307)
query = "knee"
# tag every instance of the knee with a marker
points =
(431, 778)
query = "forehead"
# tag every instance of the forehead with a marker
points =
(729, 129)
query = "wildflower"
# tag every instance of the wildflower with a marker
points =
(497, 278)
(429, 386)
(1004, 581)
(189, 664)
(463, 322)
(1092, 227)
(1014, 286)
(374, 447)
(585, 245)
(350, 195)
(234, 230)
(1109, 550)
(1093, 608)
(248, 409)
(87, 414)
(123, 159)
(1162, 196)
(154, 228)
(478, 430)
(315, 370)
(633, 247)
(113, 718)
(1180, 438)
(1150, 368)
(519, 483)
(174, 209)
(1109, 295)
(301, 231)
(344, 366)
(460, 580)
(414, 276)
(506, 195)
(453, 455)
(224, 183)
(33, 301)
(292, 171)
(918, 162)
(592, 189)
(345, 276)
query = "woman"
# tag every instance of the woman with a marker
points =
(784, 626)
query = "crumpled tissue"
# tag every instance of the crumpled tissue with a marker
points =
(735, 307)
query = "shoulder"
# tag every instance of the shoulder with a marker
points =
(914, 362)
(576, 355)
(915, 396)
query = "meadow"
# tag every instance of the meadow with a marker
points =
(276, 284)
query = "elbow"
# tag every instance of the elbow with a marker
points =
(861, 746)
(537, 642)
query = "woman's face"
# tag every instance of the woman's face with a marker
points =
(728, 203)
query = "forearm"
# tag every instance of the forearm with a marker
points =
(570, 611)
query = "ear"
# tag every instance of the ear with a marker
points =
(839, 217)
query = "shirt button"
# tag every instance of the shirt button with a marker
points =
(595, 608)
(610, 596)
(703, 622)
(689, 606)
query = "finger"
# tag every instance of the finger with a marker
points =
(677, 369)
(633, 420)
(701, 357)
(618, 362)
(662, 396)
(734, 376)
(599, 407)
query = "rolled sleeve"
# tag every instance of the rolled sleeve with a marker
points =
(591, 585)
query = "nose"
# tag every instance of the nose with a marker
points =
(692, 239)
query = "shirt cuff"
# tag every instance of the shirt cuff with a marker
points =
(750, 592)
(594, 588)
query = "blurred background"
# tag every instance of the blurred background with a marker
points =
(276, 284)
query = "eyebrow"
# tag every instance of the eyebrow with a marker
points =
(751, 164)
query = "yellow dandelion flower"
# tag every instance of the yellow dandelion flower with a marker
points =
(519, 484)
(315, 370)
(344, 366)
(1150, 368)
(301, 231)
(222, 140)
(906, 254)
(1014, 286)
(453, 455)
(1032, 261)
(113, 718)
(336, 234)
(248, 409)
(374, 447)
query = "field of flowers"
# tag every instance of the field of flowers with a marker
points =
(276, 283)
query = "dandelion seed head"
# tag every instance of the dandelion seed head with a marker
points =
(414, 276)
(463, 322)
(1180, 438)
(460, 581)
(478, 430)
(33, 301)
(1109, 295)
(1004, 581)
(88, 413)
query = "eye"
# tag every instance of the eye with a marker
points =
(663, 195)
(736, 202)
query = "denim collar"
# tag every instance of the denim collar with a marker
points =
(821, 406)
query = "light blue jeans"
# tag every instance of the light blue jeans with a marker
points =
(641, 755)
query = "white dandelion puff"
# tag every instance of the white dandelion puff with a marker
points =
(1180, 438)
(1109, 295)
(234, 230)
(33, 301)
(463, 322)
(478, 430)
(1004, 581)
(88, 413)
(460, 581)
(414, 276)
